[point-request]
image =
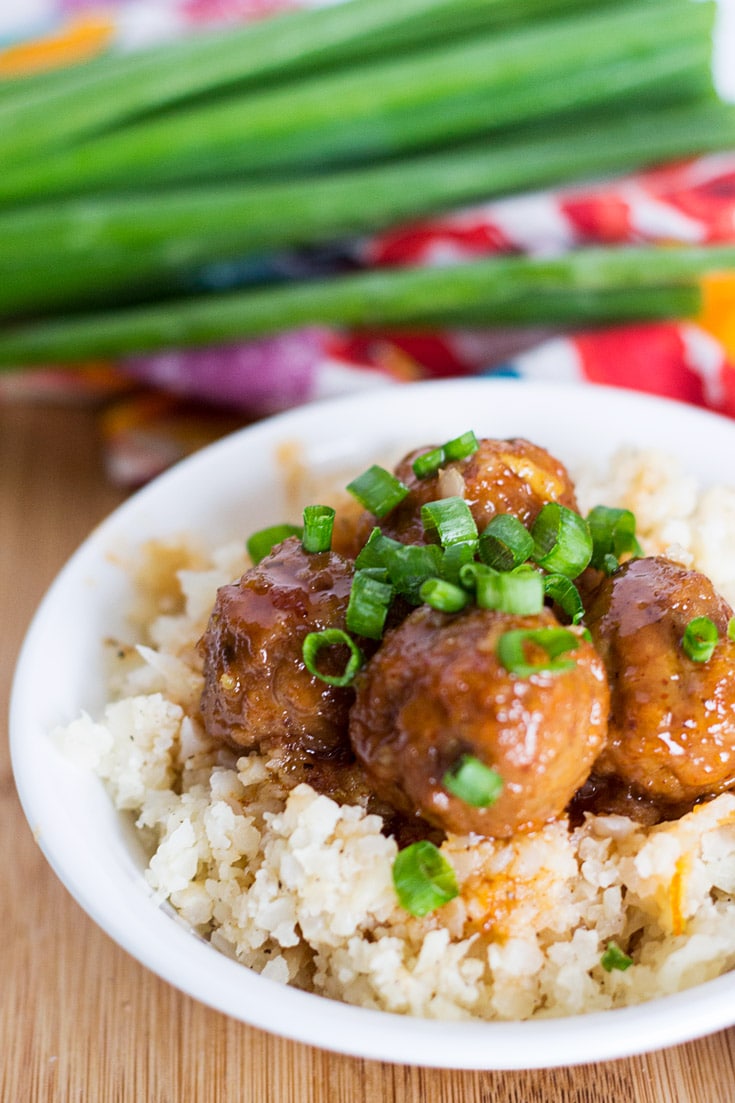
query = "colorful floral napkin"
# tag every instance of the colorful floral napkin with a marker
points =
(156, 409)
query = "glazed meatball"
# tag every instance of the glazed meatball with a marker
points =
(672, 720)
(436, 690)
(502, 476)
(257, 690)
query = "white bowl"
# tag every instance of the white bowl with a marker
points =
(231, 489)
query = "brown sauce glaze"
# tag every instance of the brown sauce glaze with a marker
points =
(671, 735)
(634, 727)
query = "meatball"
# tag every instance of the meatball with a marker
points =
(436, 690)
(257, 689)
(672, 720)
(502, 476)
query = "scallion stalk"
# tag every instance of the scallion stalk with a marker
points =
(50, 110)
(466, 87)
(416, 296)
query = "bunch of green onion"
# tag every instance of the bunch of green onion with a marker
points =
(124, 178)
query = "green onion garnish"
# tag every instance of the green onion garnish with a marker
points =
(378, 490)
(374, 549)
(318, 525)
(370, 598)
(613, 535)
(423, 878)
(566, 595)
(454, 558)
(700, 639)
(428, 462)
(520, 592)
(457, 449)
(451, 520)
(505, 543)
(554, 641)
(261, 543)
(409, 566)
(562, 540)
(316, 642)
(443, 596)
(731, 628)
(614, 958)
(473, 782)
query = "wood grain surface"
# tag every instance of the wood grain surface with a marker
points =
(79, 1019)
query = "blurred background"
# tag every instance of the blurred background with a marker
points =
(212, 210)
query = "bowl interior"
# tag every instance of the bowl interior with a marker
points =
(259, 476)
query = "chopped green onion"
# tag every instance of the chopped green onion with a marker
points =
(614, 958)
(318, 526)
(473, 782)
(423, 878)
(520, 592)
(316, 642)
(700, 639)
(613, 535)
(428, 463)
(554, 641)
(378, 490)
(566, 595)
(505, 543)
(562, 540)
(409, 566)
(731, 628)
(443, 596)
(451, 520)
(457, 449)
(261, 543)
(370, 598)
(374, 550)
(454, 558)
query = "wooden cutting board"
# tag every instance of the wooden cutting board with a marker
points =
(80, 1020)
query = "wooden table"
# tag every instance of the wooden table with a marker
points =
(82, 1021)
